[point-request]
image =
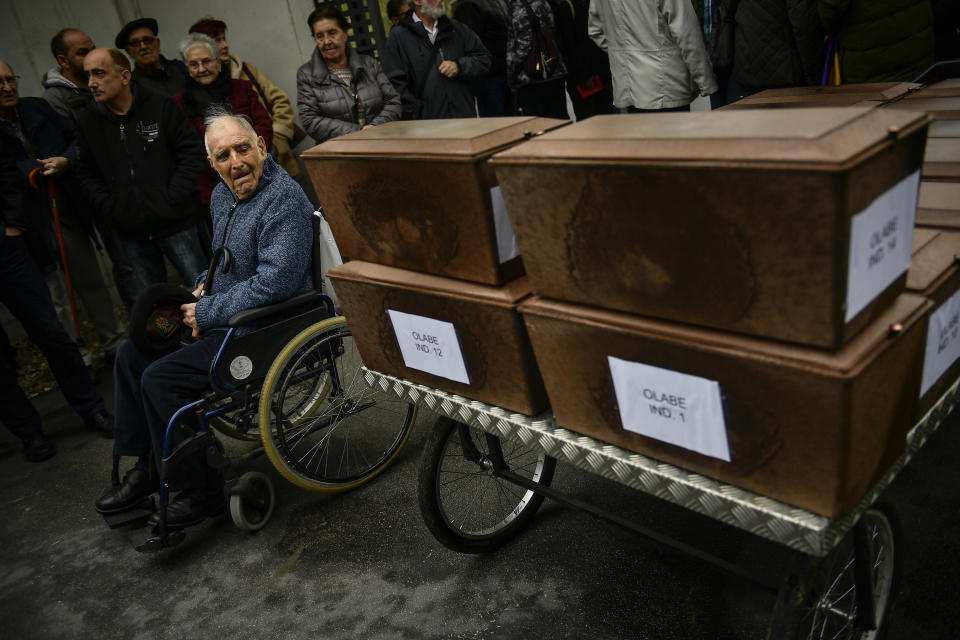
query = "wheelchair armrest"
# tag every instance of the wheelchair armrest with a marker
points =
(250, 316)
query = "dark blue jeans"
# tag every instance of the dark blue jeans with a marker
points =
(146, 258)
(149, 392)
(24, 293)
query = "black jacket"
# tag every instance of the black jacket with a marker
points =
(406, 59)
(488, 19)
(141, 170)
(778, 43)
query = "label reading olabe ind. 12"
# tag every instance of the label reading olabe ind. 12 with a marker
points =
(881, 237)
(943, 342)
(674, 407)
(429, 345)
(507, 248)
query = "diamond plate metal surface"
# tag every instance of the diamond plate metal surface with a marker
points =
(799, 529)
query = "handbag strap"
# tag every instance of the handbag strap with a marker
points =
(531, 16)
(257, 87)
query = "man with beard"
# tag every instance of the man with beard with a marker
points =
(432, 61)
(66, 84)
(151, 69)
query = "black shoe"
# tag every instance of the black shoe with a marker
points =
(191, 507)
(37, 448)
(136, 486)
(101, 422)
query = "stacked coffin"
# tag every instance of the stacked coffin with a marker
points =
(435, 277)
(848, 95)
(724, 291)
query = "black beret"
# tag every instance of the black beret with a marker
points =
(156, 322)
(124, 34)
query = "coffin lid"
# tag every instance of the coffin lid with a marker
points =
(935, 253)
(906, 310)
(942, 150)
(939, 195)
(827, 138)
(458, 138)
(846, 94)
(507, 295)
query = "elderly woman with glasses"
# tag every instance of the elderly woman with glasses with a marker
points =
(209, 85)
(338, 89)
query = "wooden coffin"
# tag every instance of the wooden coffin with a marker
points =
(870, 94)
(421, 195)
(939, 107)
(939, 204)
(808, 427)
(941, 160)
(462, 337)
(935, 274)
(727, 219)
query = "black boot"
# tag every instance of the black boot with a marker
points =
(37, 448)
(136, 486)
(191, 507)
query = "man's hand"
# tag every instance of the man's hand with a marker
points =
(55, 165)
(190, 317)
(449, 69)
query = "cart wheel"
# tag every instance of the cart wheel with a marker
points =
(252, 514)
(819, 600)
(463, 504)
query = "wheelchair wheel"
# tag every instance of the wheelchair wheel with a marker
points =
(251, 513)
(226, 423)
(464, 505)
(322, 427)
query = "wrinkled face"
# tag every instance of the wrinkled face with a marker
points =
(236, 156)
(78, 46)
(331, 40)
(432, 8)
(105, 79)
(202, 65)
(224, 47)
(8, 87)
(144, 47)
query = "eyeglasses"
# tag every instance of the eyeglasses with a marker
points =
(9, 80)
(145, 40)
(193, 65)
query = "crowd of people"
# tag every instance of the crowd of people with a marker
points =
(142, 156)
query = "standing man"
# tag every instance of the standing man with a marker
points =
(141, 161)
(66, 84)
(152, 70)
(432, 61)
(490, 19)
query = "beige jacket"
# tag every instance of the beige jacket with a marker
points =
(278, 104)
(657, 56)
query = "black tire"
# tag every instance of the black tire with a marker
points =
(463, 504)
(818, 596)
(253, 515)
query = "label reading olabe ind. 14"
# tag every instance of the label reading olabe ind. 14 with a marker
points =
(429, 345)
(881, 237)
(507, 248)
(943, 342)
(674, 407)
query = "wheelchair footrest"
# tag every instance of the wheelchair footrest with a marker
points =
(146, 539)
(136, 516)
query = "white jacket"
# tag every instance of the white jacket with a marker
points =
(657, 56)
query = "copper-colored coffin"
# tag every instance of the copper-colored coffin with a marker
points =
(869, 94)
(939, 204)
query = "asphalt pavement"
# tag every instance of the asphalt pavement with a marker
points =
(363, 565)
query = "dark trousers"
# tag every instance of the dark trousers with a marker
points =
(24, 293)
(148, 393)
(665, 110)
(493, 96)
(544, 99)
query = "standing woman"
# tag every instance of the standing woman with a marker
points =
(537, 80)
(338, 89)
(207, 85)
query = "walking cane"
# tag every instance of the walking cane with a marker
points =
(52, 192)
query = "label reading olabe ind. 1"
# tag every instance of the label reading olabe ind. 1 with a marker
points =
(674, 407)
(507, 248)
(943, 342)
(429, 345)
(881, 237)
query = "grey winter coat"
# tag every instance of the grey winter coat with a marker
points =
(327, 105)
(65, 97)
(406, 59)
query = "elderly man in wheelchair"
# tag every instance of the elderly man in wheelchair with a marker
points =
(320, 424)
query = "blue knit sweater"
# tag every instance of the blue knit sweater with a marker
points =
(269, 236)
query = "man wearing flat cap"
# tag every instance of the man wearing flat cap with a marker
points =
(151, 69)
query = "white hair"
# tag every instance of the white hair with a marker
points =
(199, 39)
(216, 114)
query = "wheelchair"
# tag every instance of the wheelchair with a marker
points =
(318, 422)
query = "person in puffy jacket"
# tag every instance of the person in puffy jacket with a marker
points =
(338, 89)
(880, 40)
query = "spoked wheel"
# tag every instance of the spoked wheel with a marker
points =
(464, 505)
(229, 424)
(821, 600)
(322, 427)
(251, 512)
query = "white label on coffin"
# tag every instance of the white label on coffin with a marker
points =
(943, 342)
(670, 406)
(507, 248)
(880, 240)
(429, 345)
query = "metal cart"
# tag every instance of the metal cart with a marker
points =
(838, 583)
